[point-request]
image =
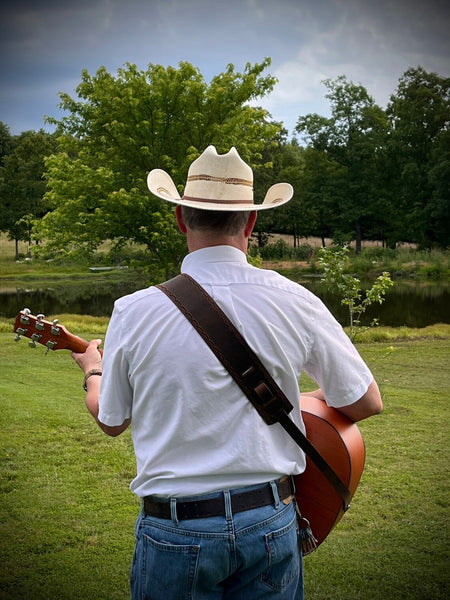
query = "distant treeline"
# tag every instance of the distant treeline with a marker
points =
(362, 173)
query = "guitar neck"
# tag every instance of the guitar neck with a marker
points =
(52, 335)
(75, 343)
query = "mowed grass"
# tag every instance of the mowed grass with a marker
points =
(67, 515)
(393, 543)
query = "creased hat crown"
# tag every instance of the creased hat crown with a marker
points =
(217, 182)
(221, 178)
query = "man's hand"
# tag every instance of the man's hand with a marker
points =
(90, 359)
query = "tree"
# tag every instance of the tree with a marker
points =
(437, 213)
(333, 262)
(419, 149)
(6, 141)
(285, 163)
(322, 183)
(124, 126)
(22, 185)
(352, 141)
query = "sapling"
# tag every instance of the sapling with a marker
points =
(333, 262)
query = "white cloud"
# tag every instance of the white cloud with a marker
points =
(371, 44)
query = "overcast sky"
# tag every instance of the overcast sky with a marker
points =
(45, 44)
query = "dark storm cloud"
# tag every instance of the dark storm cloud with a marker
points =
(45, 44)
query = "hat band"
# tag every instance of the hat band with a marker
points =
(209, 201)
(230, 180)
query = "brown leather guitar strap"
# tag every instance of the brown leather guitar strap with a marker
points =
(244, 366)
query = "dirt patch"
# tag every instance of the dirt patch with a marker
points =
(286, 264)
(316, 242)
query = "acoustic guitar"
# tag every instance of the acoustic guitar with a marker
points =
(340, 443)
(336, 437)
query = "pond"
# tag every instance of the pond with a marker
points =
(409, 303)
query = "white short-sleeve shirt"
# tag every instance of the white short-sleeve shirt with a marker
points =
(193, 429)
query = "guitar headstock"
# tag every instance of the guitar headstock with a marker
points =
(52, 335)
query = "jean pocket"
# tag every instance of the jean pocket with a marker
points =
(163, 570)
(283, 557)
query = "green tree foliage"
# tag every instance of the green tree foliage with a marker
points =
(285, 163)
(6, 141)
(419, 150)
(364, 173)
(123, 126)
(351, 142)
(22, 185)
(315, 178)
(321, 187)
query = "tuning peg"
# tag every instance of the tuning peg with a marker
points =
(55, 329)
(51, 345)
(34, 338)
(25, 319)
(39, 325)
(20, 331)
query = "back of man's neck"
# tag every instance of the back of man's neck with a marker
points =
(199, 241)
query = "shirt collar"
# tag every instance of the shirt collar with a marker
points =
(213, 254)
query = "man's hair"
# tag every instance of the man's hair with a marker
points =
(227, 222)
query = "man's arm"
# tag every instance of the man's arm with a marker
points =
(368, 405)
(87, 361)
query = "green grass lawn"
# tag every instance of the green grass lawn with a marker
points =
(67, 515)
(393, 543)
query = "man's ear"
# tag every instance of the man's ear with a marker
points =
(250, 223)
(179, 216)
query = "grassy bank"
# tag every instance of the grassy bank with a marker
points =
(67, 515)
(279, 253)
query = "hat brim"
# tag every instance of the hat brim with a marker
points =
(161, 185)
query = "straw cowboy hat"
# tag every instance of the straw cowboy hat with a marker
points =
(218, 182)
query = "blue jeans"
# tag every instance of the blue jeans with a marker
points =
(249, 555)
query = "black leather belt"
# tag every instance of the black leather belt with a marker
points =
(214, 507)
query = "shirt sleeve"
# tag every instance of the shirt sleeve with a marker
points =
(116, 395)
(335, 364)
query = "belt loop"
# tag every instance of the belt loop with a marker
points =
(276, 497)
(173, 510)
(227, 501)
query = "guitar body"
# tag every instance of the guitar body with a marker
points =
(340, 443)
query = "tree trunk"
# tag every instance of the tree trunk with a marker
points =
(17, 248)
(358, 236)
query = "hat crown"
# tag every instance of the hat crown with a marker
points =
(221, 177)
(218, 182)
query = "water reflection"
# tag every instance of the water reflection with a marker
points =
(84, 297)
(412, 304)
